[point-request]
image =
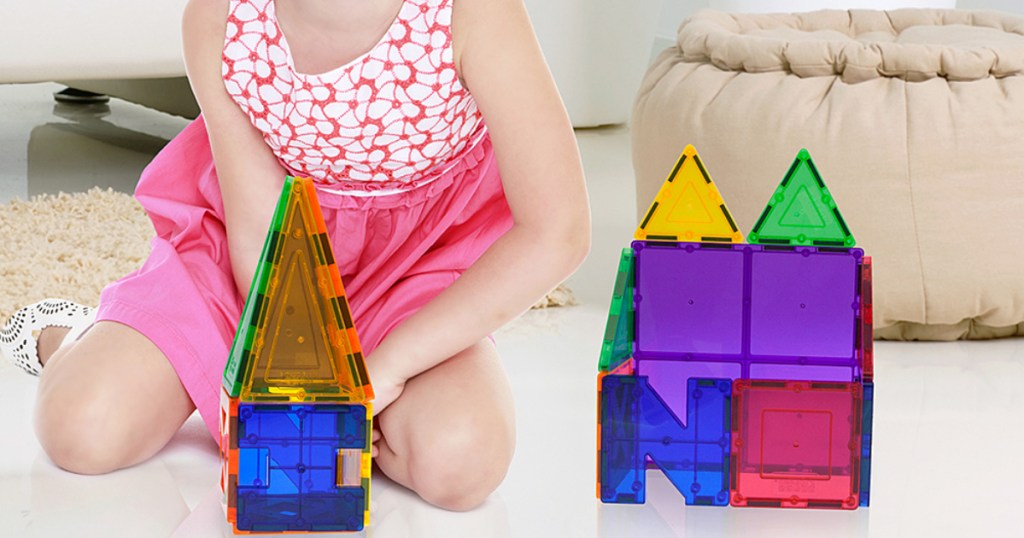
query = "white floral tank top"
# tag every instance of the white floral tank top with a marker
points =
(387, 122)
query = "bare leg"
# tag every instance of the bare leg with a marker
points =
(108, 401)
(451, 434)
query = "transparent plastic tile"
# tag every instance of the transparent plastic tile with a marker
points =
(670, 378)
(866, 334)
(802, 211)
(688, 207)
(289, 479)
(627, 368)
(796, 444)
(689, 299)
(637, 424)
(296, 340)
(865, 445)
(618, 335)
(229, 453)
(803, 303)
(779, 312)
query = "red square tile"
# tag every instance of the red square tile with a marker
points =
(796, 444)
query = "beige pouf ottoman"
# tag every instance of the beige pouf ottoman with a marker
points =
(915, 119)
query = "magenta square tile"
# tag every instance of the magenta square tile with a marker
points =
(688, 299)
(796, 444)
(798, 440)
(803, 303)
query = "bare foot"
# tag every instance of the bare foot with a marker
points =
(48, 341)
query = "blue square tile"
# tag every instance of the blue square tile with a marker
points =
(637, 424)
(867, 412)
(288, 467)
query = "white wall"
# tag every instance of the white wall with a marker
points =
(1010, 6)
(596, 51)
(674, 11)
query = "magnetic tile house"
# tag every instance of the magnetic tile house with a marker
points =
(296, 415)
(742, 371)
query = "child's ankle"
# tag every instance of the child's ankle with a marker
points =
(49, 341)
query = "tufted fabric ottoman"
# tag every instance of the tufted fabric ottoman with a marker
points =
(915, 119)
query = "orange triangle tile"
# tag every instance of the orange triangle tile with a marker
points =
(296, 341)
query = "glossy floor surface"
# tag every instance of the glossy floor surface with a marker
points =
(948, 417)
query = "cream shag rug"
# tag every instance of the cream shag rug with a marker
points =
(72, 245)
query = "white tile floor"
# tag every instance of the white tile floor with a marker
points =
(948, 420)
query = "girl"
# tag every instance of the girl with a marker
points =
(452, 188)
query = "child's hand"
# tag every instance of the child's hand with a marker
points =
(388, 383)
(385, 391)
(374, 451)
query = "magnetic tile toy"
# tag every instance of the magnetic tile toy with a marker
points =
(296, 340)
(700, 311)
(796, 444)
(688, 207)
(867, 422)
(766, 347)
(669, 378)
(618, 335)
(802, 211)
(764, 307)
(637, 424)
(295, 407)
(301, 467)
(803, 302)
(866, 334)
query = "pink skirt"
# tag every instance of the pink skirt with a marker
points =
(395, 253)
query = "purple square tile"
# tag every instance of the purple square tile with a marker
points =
(804, 303)
(805, 372)
(689, 300)
(669, 377)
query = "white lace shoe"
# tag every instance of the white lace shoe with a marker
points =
(18, 335)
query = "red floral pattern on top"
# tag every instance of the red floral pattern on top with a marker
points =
(382, 123)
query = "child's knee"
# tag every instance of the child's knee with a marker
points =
(462, 466)
(82, 423)
(81, 433)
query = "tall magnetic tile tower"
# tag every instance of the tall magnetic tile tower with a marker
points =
(295, 410)
(742, 371)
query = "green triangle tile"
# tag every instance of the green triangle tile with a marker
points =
(802, 211)
(618, 335)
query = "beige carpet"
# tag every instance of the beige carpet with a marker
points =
(72, 245)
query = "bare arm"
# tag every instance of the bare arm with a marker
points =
(539, 162)
(249, 174)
